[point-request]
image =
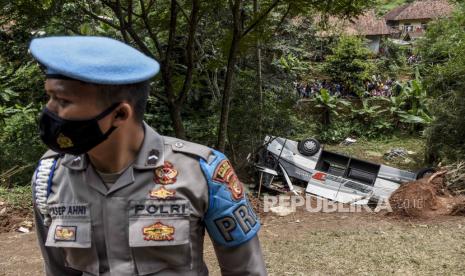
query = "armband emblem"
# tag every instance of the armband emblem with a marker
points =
(225, 173)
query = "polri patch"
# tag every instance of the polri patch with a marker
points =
(159, 208)
(162, 193)
(65, 233)
(165, 174)
(225, 173)
(158, 232)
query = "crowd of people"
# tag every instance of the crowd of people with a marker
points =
(308, 89)
(376, 86)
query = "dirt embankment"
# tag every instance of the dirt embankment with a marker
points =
(12, 218)
(428, 197)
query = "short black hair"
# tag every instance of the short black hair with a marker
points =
(135, 94)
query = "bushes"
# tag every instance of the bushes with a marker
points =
(349, 63)
(20, 144)
(371, 117)
(443, 65)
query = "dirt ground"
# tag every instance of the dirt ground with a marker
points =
(319, 244)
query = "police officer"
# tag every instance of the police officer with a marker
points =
(114, 197)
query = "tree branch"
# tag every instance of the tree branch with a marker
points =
(145, 19)
(281, 21)
(167, 69)
(99, 18)
(183, 11)
(260, 18)
(190, 51)
(126, 29)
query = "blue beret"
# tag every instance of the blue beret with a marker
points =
(93, 59)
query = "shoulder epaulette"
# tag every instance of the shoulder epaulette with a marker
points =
(191, 148)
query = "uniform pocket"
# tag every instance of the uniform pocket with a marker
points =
(71, 230)
(159, 240)
(71, 226)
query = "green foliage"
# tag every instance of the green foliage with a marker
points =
(375, 117)
(291, 65)
(443, 67)
(391, 61)
(20, 144)
(328, 106)
(349, 63)
(250, 122)
(383, 6)
(19, 197)
(288, 50)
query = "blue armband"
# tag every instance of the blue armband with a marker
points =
(230, 220)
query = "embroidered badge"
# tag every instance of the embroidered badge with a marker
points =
(65, 233)
(158, 232)
(165, 175)
(225, 173)
(64, 142)
(162, 193)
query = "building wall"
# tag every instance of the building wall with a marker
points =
(373, 42)
(415, 24)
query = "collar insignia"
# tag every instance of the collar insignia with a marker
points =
(166, 174)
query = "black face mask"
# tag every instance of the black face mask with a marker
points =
(72, 136)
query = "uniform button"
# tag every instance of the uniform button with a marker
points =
(179, 144)
(76, 161)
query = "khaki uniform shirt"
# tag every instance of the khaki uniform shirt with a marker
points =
(136, 226)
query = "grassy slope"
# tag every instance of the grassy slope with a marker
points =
(384, 6)
(436, 250)
(373, 150)
(20, 197)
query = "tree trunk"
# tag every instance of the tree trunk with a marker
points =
(259, 77)
(166, 69)
(227, 90)
(176, 119)
(326, 118)
(238, 34)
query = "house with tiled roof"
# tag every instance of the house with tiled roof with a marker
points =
(410, 20)
(366, 25)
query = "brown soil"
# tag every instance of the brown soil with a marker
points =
(13, 217)
(21, 256)
(426, 198)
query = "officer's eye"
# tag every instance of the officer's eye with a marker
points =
(62, 102)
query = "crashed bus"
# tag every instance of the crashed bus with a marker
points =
(285, 165)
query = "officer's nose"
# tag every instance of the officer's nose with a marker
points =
(52, 105)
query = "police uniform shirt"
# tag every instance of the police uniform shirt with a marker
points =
(152, 219)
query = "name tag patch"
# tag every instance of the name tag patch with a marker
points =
(65, 233)
(158, 232)
(69, 210)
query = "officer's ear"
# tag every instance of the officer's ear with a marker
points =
(122, 114)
